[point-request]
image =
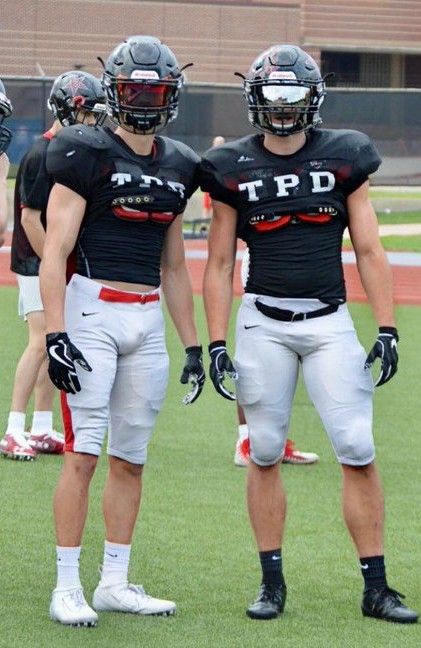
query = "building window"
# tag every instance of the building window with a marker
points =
(345, 67)
(413, 71)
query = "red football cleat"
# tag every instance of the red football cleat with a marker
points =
(47, 442)
(294, 456)
(16, 446)
(291, 454)
(242, 452)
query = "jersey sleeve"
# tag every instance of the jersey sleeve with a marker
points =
(72, 164)
(366, 161)
(213, 182)
(34, 186)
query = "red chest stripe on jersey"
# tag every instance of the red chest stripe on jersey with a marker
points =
(137, 215)
(317, 219)
(283, 221)
(267, 226)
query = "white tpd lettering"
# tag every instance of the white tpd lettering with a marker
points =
(321, 182)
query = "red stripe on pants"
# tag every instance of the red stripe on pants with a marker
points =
(69, 437)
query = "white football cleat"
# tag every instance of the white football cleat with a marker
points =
(69, 607)
(125, 597)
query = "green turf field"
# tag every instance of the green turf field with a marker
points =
(193, 542)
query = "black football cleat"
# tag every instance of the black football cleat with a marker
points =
(270, 602)
(385, 603)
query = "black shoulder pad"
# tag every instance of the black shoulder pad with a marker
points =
(175, 147)
(81, 135)
(72, 156)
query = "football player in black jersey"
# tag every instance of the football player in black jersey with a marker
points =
(289, 192)
(119, 198)
(75, 96)
(5, 138)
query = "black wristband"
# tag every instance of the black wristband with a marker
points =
(194, 349)
(389, 330)
(51, 336)
(217, 343)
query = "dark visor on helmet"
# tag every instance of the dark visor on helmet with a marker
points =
(135, 94)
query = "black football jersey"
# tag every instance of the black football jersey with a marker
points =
(131, 200)
(32, 188)
(291, 209)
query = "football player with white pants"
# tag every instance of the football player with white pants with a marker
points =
(289, 192)
(291, 454)
(118, 201)
(75, 97)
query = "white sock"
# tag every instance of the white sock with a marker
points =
(116, 563)
(243, 431)
(68, 567)
(42, 422)
(16, 423)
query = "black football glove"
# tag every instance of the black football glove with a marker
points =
(62, 355)
(220, 368)
(385, 348)
(193, 373)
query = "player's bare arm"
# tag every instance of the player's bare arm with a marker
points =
(373, 266)
(4, 169)
(34, 230)
(218, 278)
(217, 293)
(176, 284)
(64, 217)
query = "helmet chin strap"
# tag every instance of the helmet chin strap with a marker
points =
(149, 124)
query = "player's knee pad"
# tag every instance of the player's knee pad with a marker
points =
(132, 446)
(267, 443)
(354, 445)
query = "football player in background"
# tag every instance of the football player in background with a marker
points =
(119, 197)
(289, 192)
(76, 97)
(291, 454)
(5, 138)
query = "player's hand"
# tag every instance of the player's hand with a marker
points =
(385, 348)
(62, 355)
(221, 367)
(193, 373)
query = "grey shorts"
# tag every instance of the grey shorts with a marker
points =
(124, 343)
(268, 356)
(29, 295)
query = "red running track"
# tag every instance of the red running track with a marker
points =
(407, 280)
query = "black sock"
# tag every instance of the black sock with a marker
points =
(271, 562)
(373, 572)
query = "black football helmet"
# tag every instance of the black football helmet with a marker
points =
(142, 80)
(74, 91)
(284, 91)
(5, 111)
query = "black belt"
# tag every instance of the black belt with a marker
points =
(290, 316)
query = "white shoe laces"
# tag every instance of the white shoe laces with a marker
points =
(20, 439)
(138, 589)
(78, 598)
